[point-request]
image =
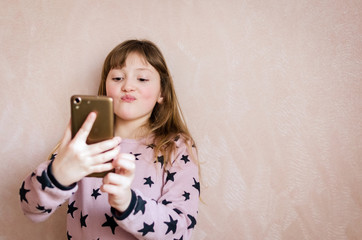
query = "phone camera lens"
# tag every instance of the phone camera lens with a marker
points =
(77, 100)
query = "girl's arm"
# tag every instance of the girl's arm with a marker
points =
(173, 215)
(54, 181)
(40, 194)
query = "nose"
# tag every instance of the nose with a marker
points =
(128, 85)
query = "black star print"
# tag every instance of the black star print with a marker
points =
(147, 228)
(177, 211)
(148, 181)
(136, 155)
(186, 195)
(95, 193)
(82, 220)
(140, 206)
(151, 146)
(165, 202)
(32, 174)
(170, 176)
(68, 236)
(171, 225)
(161, 160)
(71, 209)
(23, 192)
(182, 237)
(44, 181)
(43, 209)
(193, 221)
(185, 158)
(196, 185)
(110, 223)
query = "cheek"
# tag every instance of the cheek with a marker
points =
(110, 91)
(151, 94)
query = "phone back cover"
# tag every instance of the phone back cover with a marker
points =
(103, 126)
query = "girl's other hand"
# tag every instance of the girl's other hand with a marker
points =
(76, 159)
(118, 184)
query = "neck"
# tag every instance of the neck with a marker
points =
(129, 129)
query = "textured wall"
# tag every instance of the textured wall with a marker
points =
(272, 91)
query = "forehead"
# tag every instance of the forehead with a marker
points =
(136, 62)
(137, 59)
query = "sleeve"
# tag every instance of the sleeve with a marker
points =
(173, 215)
(40, 194)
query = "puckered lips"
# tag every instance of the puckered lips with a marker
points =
(128, 98)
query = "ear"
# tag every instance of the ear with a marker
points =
(160, 100)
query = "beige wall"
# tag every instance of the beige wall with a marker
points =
(272, 91)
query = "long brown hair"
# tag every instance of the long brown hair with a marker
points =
(166, 123)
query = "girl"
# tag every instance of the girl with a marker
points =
(153, 192)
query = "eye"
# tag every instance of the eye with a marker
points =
(117, 79)
(142, 79)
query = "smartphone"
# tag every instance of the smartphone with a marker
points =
(81, 106)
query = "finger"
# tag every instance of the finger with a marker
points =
(106, 156)
(125, 157)
(124, 164)
(104, 146)
(116, 179)
(110, 189)
(84, 131)
(101, 168)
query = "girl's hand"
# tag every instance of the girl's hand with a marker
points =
(76, 159)
(118, 184)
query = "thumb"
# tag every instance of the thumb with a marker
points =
(84, 131)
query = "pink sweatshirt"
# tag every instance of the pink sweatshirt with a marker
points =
(164, 204)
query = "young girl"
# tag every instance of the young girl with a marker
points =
(153, 192)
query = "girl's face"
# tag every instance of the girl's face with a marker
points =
(135, 89)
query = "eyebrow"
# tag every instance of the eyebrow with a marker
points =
(142, 69)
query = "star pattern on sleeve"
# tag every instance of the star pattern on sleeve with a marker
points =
(186, 195)
(148, 181)
(165, 202)
(193, 221)
(83, 219)
(140, 206)
(196, 185)
(71, 209)
(110, 222)
(96, 193)
(147, 228)
(171, 225)
(23, 192)
(185, 158)
(160, 159)
(177, 211)
(136, 155)
(170, 176)
(44, 181)
(43, 209)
